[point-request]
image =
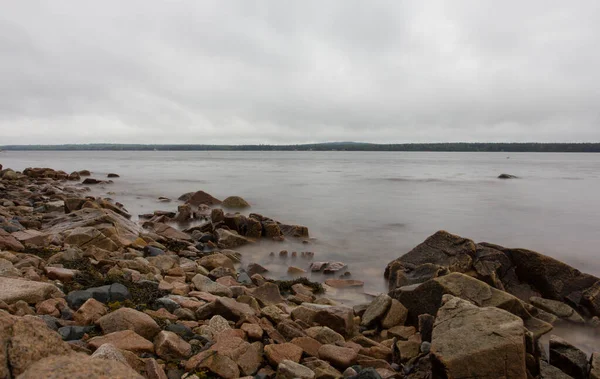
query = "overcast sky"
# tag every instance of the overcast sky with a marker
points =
(233, 72)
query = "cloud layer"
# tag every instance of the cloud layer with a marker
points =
(292, 72)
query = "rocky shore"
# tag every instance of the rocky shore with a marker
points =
(85, 292)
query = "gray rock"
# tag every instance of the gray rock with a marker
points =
(376, 310)
(71, 333)
(291, 370)
(557, 308)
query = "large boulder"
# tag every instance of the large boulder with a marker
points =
(235, 202)
(200, 197)
(473, 342)
(442, 249)
(90, 227)
(427, 299)
(13, 290)
(78, 365)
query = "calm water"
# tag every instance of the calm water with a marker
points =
(367, 208)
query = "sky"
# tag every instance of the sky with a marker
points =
(286, 72)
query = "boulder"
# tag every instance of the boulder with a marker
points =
(200, 197)
(396, 315)
(568, 358)
(473, 342)
(13, 290)
(78, 365)
(113, 175)
(558, 309)
(376, 310)
(296, 231)
(426, 299)
(129, 319)
(210, 262)
(443, 250)
(89, 181)
(235, 202)
(291, 370)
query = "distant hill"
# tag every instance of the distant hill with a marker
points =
(334, 146)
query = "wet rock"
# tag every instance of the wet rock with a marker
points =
(344, 283)
(568, 358)
(129, 319)
(200, 197)
(255, 268)
(112, 175)
(291, 370)
(84, 173)
(557, 308)
(78, 366)
(169, 346)
(376, 310)
(507, 176)
(277, 353)
(235, 202)
(477, 342)
(89, 181)
(124, 340)
(229, 239)
(296, 231)
(13, 290)
(210, 262)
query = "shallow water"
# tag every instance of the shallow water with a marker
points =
(367, 208)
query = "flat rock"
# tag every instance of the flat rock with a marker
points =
(325, 335)
(205, 284)
(340, 357)
(473, 342)
(13, 290)
(124, 340)
(557, 308)
(344, 283)
(276, 353)
(268, 293)
(291, 370)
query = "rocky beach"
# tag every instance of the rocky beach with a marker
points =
(86, 291)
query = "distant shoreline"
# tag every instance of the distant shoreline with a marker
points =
(330, 146)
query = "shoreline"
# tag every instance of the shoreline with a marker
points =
(176, 299)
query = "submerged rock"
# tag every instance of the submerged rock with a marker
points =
(507, 176)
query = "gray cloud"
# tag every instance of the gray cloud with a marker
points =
(294, 72)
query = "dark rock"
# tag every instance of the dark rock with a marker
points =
(182, 331)
(200, 197)
(568, 358)
(255, 268)
(104, 294)
(426, 326)
(112, 175)
(84, 173)
(91, 181)
(367, 373)
(51, 321)
(208, 237)
(169, 304)
(507, 176)
(71, 333)
(152, 251)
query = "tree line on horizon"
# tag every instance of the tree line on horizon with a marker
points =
(331, 146)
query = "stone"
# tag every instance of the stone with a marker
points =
(215, 363)
(277, 353)
(210, 262)
(426, 326)
(334, 267)
(325, 335)
(376, 310)
(200, 197)
(427, 298)
(507, 176)
(115, 292)
(408, 349)
(322, 369)
(59, 273)
(442, 249)
(89, 181)
(340, 357)
(9, 242)
(124, 340)
(291, 370)
(402, 332)
(309, 345)
(295, 271)
(344, 283)
(338, 318)
(568, 358)
(250, 358)
(205, 284)
(112, 175)
(232, 310)
(557, 308)
(26, 341)
(469, 341)
(74, 332)
(169, 346)
(110, 353)
(255, 268)
(129, 319)
(296, 231)
(547, 371)
(235, 202)
(78, 365)
(13, 290)
(229, 239)
(396, 315)
(268, 293)
(254, 331)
